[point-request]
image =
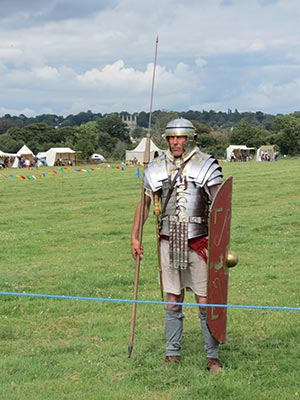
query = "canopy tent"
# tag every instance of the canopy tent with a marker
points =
(41, 155)
(24, 152)
(137, 155)
(3, 154)
(263, 151)
(60, 156)
(6, 159)
(238, 151)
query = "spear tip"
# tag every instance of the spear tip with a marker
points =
(130, 348)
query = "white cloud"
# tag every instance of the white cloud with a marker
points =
(46, 73)
(257, 45)
(114, 76)
(99, 55)
(14, 111)
(9, 54)
(200, 62)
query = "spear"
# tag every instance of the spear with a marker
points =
(157, 218)
(141, 214)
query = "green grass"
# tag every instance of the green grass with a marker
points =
(68, 234)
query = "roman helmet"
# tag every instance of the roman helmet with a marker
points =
(180, 127)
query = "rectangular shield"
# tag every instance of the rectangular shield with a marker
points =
(218, 247)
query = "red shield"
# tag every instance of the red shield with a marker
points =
(218, 247)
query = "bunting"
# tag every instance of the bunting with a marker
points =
(60, 170)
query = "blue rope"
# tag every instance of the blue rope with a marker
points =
(109, 300)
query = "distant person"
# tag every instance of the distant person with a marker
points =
(36, 162)
(27, 163)
(20, 162)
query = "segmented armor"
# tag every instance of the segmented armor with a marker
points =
(185, 216)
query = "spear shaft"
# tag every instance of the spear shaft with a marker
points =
(141, 214)
(157, 219)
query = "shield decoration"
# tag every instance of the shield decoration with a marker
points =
(218, 247)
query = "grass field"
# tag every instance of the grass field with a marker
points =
(68, 234)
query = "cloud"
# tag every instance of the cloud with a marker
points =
(116, 77)
(19, 13)
(61, 55)
(200, 62)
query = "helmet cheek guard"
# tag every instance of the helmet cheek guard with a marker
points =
(179, 127)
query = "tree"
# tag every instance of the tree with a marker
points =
(10, 145)
(138, 132)
(201, 128)
(85, 147)
(143, 119)
(86, 139)
(204, 141)
(119, 151)
(80, 118)
(106, 144)
(69, 135)
(89, 132)
(5, 125)
(161, 120)
(34, 136)
(245, 134)
(50, 119)
(287, 130)
(114, 127)
(111, 130)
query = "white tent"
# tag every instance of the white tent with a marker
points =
(6, 159)
(41, 155)
(26, 153)
(266, 149)
(3, 154)
(137, 155)
(237, 150)
(60, 156)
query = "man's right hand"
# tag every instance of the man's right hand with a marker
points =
(136, 249)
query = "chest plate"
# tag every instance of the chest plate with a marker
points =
(188, 204)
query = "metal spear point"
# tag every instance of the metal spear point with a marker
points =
(141, 215)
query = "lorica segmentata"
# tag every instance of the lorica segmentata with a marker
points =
(186, 212)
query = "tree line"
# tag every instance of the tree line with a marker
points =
(107, 134)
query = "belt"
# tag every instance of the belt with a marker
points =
(178, 218)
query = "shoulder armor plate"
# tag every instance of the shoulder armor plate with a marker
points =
(156, 173)
(203, 166)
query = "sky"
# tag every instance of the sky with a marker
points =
(66, 56)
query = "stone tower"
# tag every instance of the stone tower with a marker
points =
(130, 121)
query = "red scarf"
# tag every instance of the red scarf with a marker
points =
(198, 244)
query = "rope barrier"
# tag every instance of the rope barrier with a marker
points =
(149, 302)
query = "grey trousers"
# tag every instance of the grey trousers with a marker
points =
(211, 346)
(174, 329)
